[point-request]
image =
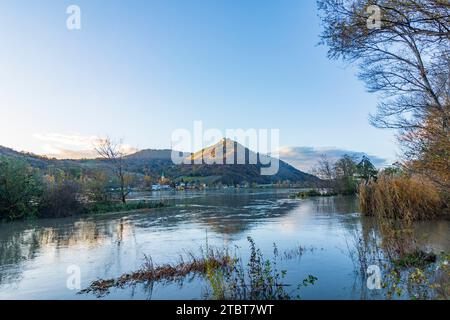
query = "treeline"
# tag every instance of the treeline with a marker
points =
(344, 175)
(26, 191)
(397, 192)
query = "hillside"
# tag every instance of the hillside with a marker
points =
(32, 159)
(155, 162)
(249, 171)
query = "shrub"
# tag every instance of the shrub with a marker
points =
(96, 188)
(20, 190)
(61, 200)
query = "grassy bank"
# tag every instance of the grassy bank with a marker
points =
(97, 208)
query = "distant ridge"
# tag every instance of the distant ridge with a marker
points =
(156, 162)
(33, 159)
(151, 154)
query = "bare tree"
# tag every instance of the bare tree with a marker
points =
(339, 175)
(345, 167)
(325, 168)
(406, 60)
(111, 151)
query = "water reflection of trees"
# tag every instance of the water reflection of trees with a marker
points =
(226, 214)
(22, 241)
(338, 204)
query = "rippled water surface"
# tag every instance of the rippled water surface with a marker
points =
(35, 256)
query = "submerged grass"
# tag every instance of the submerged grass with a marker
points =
(420, 279)
(414, 275)
(295, 252)
(258, 279)
(416, 259)
(150, 272)
(227, 275)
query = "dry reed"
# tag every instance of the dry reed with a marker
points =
(401, 197)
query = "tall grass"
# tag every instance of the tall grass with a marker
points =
(401, 197)
(215, 275)
(396, 201)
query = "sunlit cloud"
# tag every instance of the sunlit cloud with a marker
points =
(73, 146)
(305, 158)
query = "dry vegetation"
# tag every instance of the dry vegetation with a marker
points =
(168, 272)
(402, 197)
(228, 277)
(397, 201)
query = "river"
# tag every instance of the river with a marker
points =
(37, 257)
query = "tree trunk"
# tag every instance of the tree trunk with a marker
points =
(122, 193)
(122, 190)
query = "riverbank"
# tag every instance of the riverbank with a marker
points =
(96, 209)
(119, 207)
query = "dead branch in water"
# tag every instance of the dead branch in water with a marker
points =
(170, 272)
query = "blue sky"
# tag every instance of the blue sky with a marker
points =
(141, 69)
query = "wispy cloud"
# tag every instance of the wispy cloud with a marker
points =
(305, 158)
(72, 146)
(76, 146)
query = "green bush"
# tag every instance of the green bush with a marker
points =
(121, 207)
(61, 200)
(21, 190)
